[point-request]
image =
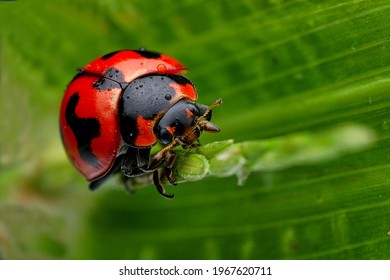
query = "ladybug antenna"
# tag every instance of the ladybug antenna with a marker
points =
(205, 124)
(207, 112)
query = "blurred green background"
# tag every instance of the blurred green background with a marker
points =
(281, 67)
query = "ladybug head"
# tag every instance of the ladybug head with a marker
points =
(184, 123)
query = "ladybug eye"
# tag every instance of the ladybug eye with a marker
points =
(165, 136)
(194, 110)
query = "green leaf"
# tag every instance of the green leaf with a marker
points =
(302, 82)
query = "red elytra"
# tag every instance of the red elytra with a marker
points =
(120, 105)
(134, 64)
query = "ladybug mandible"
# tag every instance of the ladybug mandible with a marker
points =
(120, 105)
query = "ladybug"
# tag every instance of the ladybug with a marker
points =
(122, 104)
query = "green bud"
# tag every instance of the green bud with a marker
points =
(190, 167)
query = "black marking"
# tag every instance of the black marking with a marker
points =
(112, 78)
(84, 129)
(179, 79)
(109, 55)
(148, 54)
(146, 97)
(128, 126)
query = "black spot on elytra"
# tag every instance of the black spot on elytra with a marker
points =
(111, 54)
(148, 54)
(84, 129)
(112, 78)
(128, 127)
(180, 79)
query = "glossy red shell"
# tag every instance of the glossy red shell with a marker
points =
(102, 105)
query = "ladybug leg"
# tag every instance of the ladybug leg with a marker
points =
(143, 159)
(160, 188)
(160, 157)
(170, 158)
(167, 157)
(135, 162)
(157, 160)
